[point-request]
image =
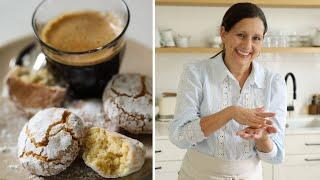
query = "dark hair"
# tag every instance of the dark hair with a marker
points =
(239, 11)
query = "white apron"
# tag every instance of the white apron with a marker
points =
(199, 166)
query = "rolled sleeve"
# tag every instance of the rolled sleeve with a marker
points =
(278, 104)
(269, 155)
(185, 130)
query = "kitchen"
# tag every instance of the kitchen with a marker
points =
(199, 22)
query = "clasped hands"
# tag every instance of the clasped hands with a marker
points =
(258, 122)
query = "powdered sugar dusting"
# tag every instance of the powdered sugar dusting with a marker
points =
(46, 152)
(91, 112)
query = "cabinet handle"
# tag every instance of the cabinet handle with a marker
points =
(312, 144)
(318, 159)
(158, 151)
(159, 167)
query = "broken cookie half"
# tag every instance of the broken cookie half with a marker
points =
(111, 154)
(32, 91)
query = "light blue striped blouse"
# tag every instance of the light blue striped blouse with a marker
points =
(207, 87)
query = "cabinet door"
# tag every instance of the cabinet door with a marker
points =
(267, 171)
(167, 170)
(298, 167)
(166, 151)
(302, 144)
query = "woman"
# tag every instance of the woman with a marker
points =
(231, 111)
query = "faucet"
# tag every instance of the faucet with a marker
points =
(290, 108)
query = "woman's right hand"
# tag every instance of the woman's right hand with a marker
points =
(255, 118)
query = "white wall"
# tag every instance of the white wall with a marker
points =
(202, 22)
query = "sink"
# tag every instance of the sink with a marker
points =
(297, 124)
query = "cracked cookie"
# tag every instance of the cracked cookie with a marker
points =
(111, 154)
(91, 112)
(32, 91)
(50, 141)
(127, 101)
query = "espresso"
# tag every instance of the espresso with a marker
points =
(82, 31)
(75, 58)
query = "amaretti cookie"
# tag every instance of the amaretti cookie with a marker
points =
(111, 154)
(50, 141)
(91, 112)
(127, 101)
(32, 91)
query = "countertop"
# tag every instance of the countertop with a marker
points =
(161, 131)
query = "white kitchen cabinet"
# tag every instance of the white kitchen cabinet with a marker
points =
(299, 167)
(302, 159)
(302, 144)
(167, 170)
(168, 159)
(166, 151)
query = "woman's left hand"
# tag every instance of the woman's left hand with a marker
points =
(257, 133)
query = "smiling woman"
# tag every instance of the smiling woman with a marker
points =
(244, 41)
(230, 111)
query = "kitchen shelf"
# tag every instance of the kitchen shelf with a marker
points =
(215, 50)
(263, 3)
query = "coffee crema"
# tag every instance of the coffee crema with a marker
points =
(80, 32)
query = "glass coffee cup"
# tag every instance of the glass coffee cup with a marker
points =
(83, 41)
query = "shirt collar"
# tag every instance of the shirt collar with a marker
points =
(256, 76)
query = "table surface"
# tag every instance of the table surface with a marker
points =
(12, 121)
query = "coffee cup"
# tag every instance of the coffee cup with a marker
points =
(83, 41)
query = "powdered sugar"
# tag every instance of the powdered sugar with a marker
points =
(91, 112)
